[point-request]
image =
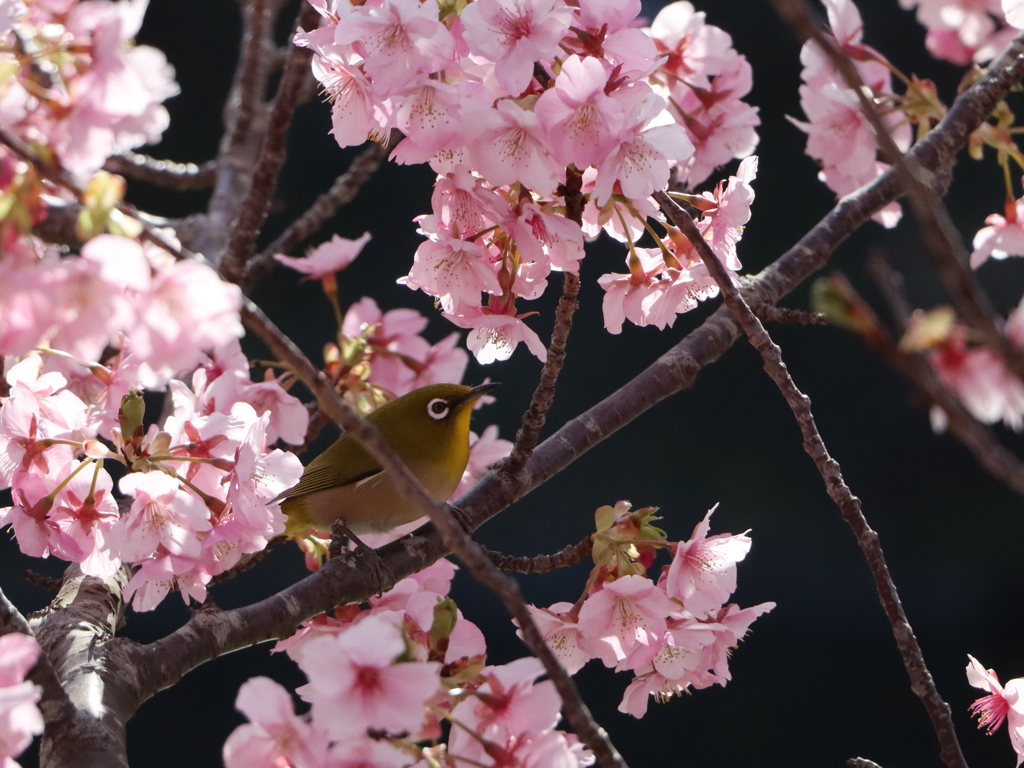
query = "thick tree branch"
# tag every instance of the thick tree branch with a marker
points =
(921, 681)
(76, 632)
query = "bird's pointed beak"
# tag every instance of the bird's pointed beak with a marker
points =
(477, 392)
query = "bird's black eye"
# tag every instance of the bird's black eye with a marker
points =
(437, 408)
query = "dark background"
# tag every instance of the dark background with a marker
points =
(819, 679)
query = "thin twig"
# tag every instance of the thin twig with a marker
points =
(49, 583)
(787, 316)
(272, 156)
(344, 189)
(563, 558)
(454, 536)
(940, 236)
(890, 283)
(163, 173)
(544, 395)
(921, 681)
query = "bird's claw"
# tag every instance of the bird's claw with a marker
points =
(382, 577)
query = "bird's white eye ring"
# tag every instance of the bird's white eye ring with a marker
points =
(437, 408)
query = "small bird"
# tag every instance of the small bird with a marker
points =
(429, 430)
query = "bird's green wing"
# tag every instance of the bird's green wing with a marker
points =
(344, 463)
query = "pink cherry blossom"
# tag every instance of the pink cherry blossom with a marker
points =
(356, 112)
(696, 50)
(163, 515)
(973, 22)
(259, 477)
(87, 511)
(630, 296)
(274, 735)
(1014, 12)
(581, 121)
(327, 258)
(730, 625)
(508, 708)
(648, 144)
(495, 337)
(561, 633)
(355, 684)
(507, 145)
(157, 576)
(1004, 236)
(455, 271)
(548, 239)
(514, 34)
(20, 718)
(1003, 703)
(703, 570)
(980, 379)
(28, 440)
(719, 124)
(400, 359)
(188, 310)
(398, 40)
(625, 621)
(722, 225)
(848, 30)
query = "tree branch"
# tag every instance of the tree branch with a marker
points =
(76, 632)
(569, 555)
(272, 155)
(543, 397)
(163, 173)
(921, 681)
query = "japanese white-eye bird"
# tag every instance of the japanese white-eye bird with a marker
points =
(429, 430)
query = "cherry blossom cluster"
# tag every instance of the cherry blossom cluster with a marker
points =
(159, 312)
(673, 634)
(72, 80)
(1003, 703)
(966, 31)
(404, 670)
(516, 104)
(20, 718)
(839, 135)
(201, 484)
(669, 279)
